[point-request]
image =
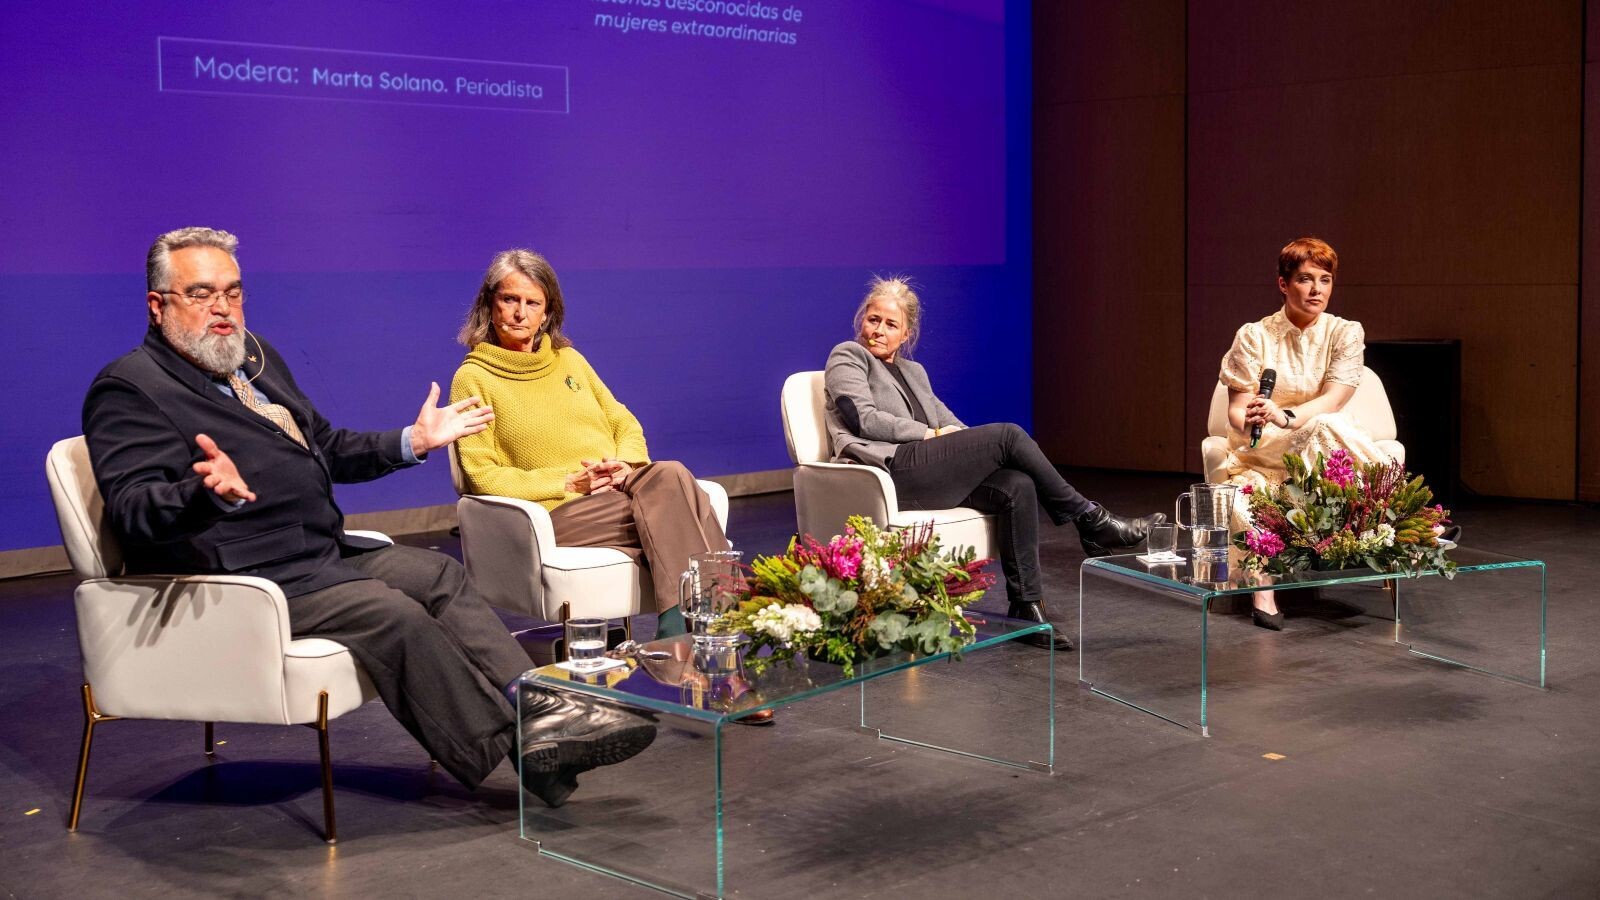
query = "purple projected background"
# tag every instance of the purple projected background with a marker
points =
(713, 203)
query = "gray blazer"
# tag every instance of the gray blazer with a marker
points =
(867, 411)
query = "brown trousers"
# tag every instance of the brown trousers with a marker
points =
(658, 513)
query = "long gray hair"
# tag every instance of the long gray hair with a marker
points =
(479, 326)
(898, 289)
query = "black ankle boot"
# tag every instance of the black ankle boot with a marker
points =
(566, 734)
(1102, 533)
(552, 787)
(1034, 612)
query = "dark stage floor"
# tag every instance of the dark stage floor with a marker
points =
(1400, 777)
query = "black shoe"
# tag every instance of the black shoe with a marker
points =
(1034, 612)
(1451, 533)
(1269, 621)
(552, 787)
(1102, 533)
(567, 732)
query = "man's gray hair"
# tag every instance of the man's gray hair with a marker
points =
(158, 265)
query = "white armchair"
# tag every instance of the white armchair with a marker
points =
(1369, 408)
(826, 493)
(208, 648)
(509, 548)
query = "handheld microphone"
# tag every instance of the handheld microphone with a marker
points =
(1269, 380)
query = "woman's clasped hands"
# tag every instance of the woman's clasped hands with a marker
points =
(598, 477)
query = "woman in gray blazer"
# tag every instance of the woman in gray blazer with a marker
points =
(882, 411)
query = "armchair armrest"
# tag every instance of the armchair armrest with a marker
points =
(199, 647)
(828, 493)
(504, 541)
(370, 535)
(718, 495)
(1213, 454)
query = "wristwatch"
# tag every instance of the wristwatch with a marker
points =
(1288, 418)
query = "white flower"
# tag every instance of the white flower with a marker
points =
(874, 568)
(1376, 539)
(1385, 535)
(783, 622)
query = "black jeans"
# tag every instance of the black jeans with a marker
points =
(438, 655)
(995, 469)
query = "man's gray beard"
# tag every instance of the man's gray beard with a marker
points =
(219, 354)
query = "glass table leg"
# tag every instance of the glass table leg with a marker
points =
(995, 704)
(1144, 645)
(1491, 620)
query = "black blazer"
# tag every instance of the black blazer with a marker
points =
(140, 419)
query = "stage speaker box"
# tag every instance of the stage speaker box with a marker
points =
(1423, 380)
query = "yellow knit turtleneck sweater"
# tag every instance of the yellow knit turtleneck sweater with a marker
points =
(551, 411)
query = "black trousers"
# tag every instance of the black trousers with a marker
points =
(995, 469)
(438, 655)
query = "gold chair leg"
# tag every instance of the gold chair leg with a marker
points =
(211, 742)
(327, 768)
(566, 611)
(91, 718)
(627, 627)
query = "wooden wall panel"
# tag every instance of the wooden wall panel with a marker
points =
(1108, 233)
(1589, 359)
(1251, 43)
(1107, 49)
(1448, 179)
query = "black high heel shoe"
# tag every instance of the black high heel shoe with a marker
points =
(1269, 621)
(1034, 612)
(1103, 533)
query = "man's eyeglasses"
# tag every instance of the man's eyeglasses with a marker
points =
(206, 296)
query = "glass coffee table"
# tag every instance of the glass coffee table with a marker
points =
(1147, 636)
(680, 818)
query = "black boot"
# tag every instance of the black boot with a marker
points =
(552, 787)
(565, 734)
(1102, 533)
(1034, 612)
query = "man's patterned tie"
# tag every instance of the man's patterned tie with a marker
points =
(275, 413)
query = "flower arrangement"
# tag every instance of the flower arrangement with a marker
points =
(866, 592)
(1335, 514)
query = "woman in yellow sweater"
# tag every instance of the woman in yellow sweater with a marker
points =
(560, 439)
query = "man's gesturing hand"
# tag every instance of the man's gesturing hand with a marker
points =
(439, 425)
(220, 474)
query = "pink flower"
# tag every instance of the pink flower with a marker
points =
(1340, 469)
(842, 557)
(1263, 543)
(1247, 490)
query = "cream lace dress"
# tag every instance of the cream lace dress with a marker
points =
(1330, 350)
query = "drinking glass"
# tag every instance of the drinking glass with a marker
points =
(586, 643)
(1163, 541)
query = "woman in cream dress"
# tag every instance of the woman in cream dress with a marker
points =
(1318, 359)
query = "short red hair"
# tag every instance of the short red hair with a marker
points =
(1307, 249)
